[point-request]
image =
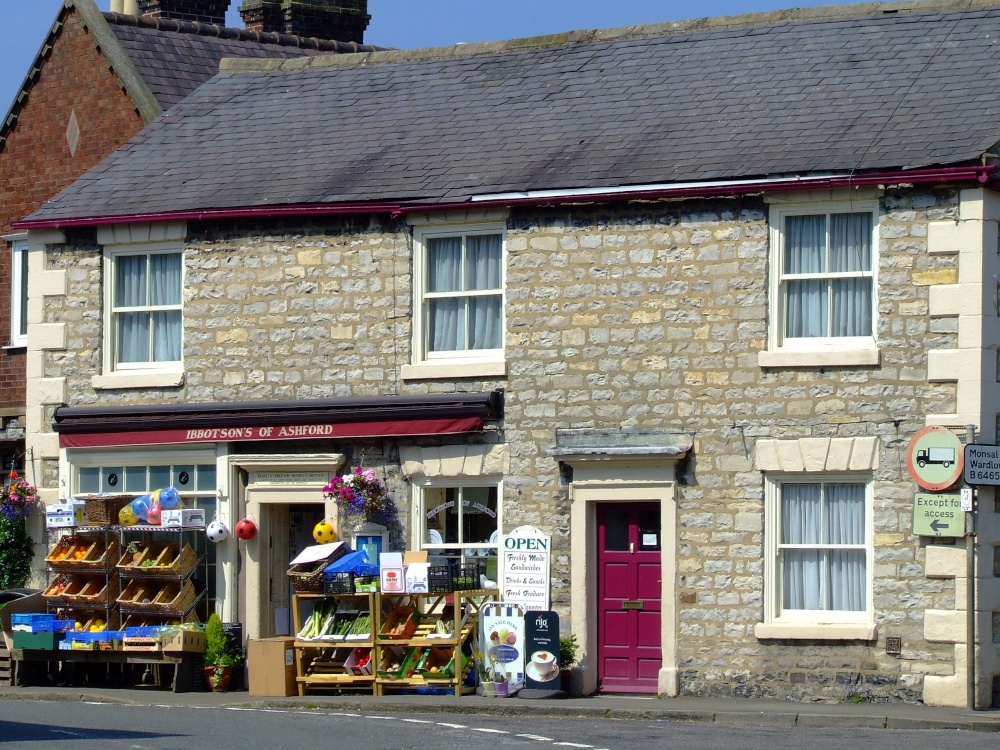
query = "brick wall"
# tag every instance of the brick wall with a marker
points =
(342, 20)
(616, 318)
(36, 162)
(205, 11)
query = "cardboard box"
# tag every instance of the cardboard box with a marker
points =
(183, 641)
(66, 515)
(416, 572)
(31, 603)
(359, 663)
(271, 662)
(391, 572)
(182, 518)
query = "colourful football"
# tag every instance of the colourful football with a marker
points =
(323, 533)
(246, 529)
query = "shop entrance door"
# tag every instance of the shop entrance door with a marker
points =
(629, 594)
(290, 531)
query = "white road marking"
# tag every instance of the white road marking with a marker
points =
(418, 721)
(537, 737)
(452, 726)
(383, 718)
(63, 731)
(337, 713)
(572, 744)
(489, 731)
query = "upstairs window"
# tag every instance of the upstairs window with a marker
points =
(823, 282)
(145, 305)
(459, 302)
(19, 293)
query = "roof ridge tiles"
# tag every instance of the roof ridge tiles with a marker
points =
(227, 32)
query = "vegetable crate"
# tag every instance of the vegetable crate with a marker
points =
(400, 623)
(439, 579)
(465, 577)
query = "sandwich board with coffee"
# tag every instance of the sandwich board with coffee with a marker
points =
(541, 650)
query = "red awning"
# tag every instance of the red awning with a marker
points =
(329, 431)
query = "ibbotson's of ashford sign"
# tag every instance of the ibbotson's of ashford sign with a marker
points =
(525, 565)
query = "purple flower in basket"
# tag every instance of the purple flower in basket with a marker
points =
(361, 493)
(17, 500)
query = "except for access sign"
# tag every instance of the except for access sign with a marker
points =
(938, 514)
(982, 465)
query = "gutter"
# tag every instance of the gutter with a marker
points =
(975, 173)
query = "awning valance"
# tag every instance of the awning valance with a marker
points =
(329, 419)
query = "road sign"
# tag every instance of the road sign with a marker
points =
(935, 458)
(967, 499)
(938, 514)
(982, 465)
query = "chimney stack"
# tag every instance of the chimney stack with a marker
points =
(340, 20)
(203, 11)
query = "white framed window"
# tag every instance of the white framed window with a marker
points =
(459, 276)
(818, 551)
(459, 521)
(823, 284)
(144, 322)
(19, 292)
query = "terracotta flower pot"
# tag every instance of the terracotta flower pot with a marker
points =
(218, 678)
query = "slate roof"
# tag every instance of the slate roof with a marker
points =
(159, 61)
(660, 105)
(176, 57)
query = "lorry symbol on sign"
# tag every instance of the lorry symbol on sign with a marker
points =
(943, 456)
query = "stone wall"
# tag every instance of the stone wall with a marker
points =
(630, 317)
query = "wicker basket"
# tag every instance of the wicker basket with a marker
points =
(139, 594)
(158, 559)
(95, 557)
(102, 510)
(308, 578)
(174, 598)
(92, 591)
(56, 591)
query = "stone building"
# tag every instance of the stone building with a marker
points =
(97, 80)
(679, 295)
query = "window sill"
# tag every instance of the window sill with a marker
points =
(453, 370)
(120, 380)
(15, 346)
(815, 631)
(818, 358)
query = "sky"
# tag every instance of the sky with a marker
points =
(409, 23)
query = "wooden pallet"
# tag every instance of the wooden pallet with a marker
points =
(6, 668)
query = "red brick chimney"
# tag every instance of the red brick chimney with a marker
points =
(341, 20)
(204, 11)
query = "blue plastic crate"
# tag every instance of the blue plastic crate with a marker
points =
(30, 618)
(145, 631)
(101, 636)
(55, 626)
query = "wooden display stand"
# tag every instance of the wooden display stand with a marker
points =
(326, 664)
(459, 610)
(322, 664)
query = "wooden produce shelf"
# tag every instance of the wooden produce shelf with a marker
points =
(320, 663)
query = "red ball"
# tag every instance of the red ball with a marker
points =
(246, 529)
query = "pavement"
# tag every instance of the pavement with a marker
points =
(726, 711)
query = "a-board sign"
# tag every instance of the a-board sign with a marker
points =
(982, 465)
(938, 514)
(935, 458)
(525, 556)
(503, 640)
(541, 648)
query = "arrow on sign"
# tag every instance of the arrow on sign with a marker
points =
(937, 526)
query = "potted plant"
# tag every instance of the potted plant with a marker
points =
(567, 658)
(220, 655)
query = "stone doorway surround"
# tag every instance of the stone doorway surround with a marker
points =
(255, 499)
(616, 466)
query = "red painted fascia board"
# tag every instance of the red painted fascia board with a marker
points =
(977, 174)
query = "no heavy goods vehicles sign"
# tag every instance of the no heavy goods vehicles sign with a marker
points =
(935, 458)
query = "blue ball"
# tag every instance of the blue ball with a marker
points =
(140, 506)
(169, 498)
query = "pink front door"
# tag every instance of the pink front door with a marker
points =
(629, 585)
